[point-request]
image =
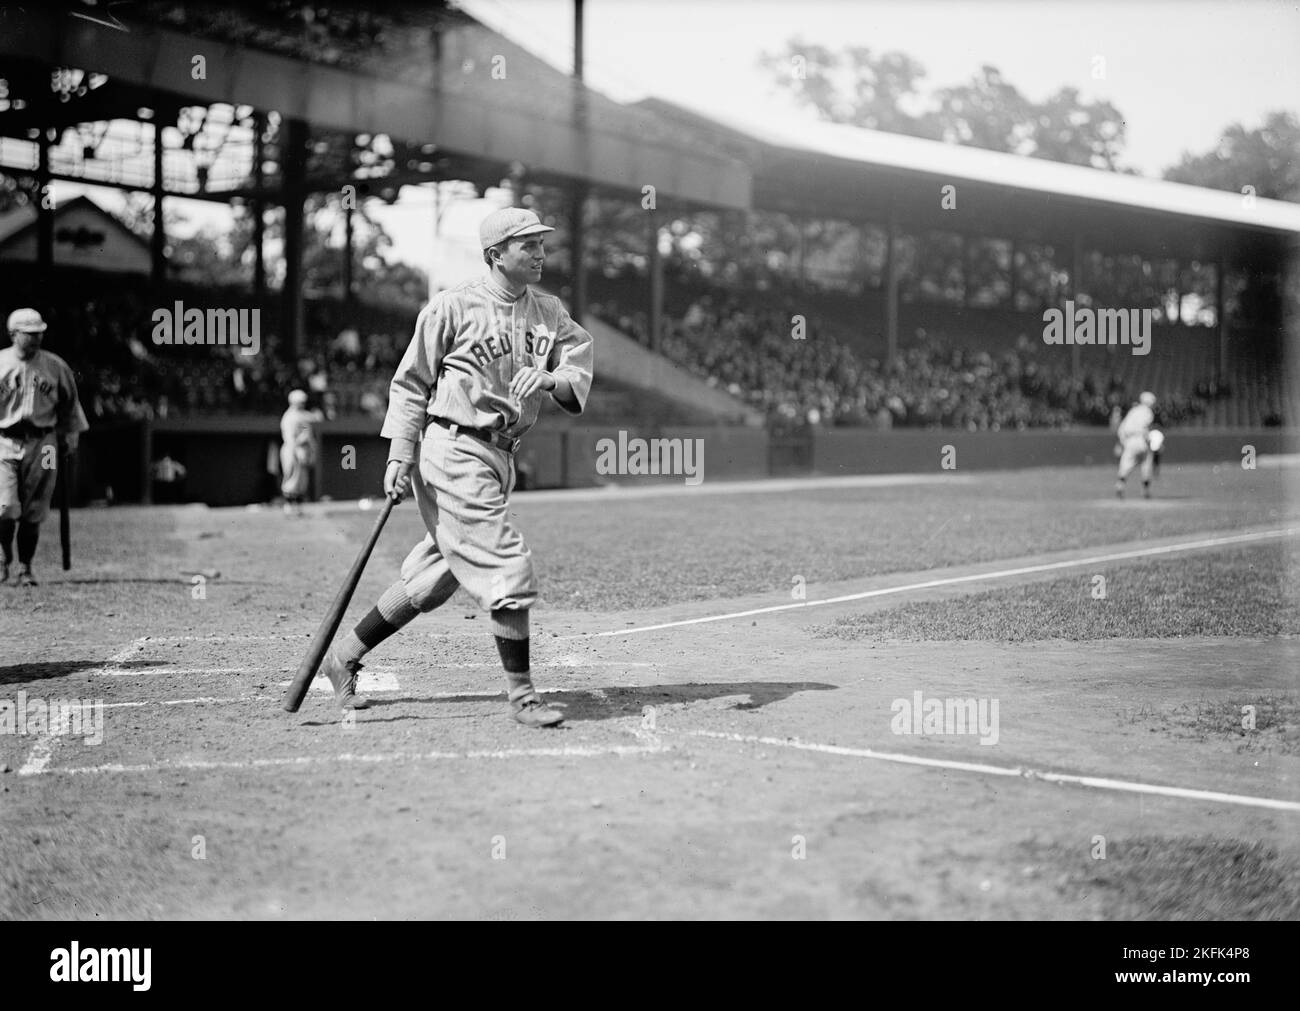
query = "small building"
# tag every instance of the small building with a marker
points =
(85, 235)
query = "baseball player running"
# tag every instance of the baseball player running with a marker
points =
(298, 449)
(38, 407)
(1134, 434)
(471, 383)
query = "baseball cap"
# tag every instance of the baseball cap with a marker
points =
(509, 223)
(26, 320)
(297, 397)
(1149, 399)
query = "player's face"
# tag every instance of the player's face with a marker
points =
(26, 343)
(523, 259)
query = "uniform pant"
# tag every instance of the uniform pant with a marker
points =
(463, 488)
(26, 486)
(1135, 451)
(295, 471)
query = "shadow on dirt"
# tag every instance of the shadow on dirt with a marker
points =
(45, 669)
(620, 703)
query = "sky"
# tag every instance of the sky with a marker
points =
(1179, 72)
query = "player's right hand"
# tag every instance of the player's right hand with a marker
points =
(397, 480)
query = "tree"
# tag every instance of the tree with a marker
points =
(1264, 158)
(855, 87)
(1068, 130)
(852, 86)
(989, 113)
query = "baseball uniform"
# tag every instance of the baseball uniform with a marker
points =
(1132, 434)
(454, 413)
(468, 344)
(38, 403)
(298, 449)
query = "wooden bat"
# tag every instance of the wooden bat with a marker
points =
(65, 523)
(325, 634)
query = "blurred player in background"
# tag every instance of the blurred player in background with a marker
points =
(38, 410)
(1156, 440)
(298, 451)
(1134, 448)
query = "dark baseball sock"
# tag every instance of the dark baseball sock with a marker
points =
(510, 629)
(7, 538)
(393, 611)
(28, 535)
(514, 655)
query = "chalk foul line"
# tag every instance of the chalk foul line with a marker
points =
(1018, 772)
(929, 584)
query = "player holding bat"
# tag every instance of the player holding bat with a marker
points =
(469, 386)
(39, 411)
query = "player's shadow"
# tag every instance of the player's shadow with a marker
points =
(45, 669)
(590, 705)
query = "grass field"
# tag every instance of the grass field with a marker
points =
(738, 672)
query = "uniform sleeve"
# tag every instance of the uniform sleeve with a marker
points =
(572, 359)
(417, 375)
(70, 418)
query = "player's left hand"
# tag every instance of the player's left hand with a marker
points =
(529, 380)
(70, 443)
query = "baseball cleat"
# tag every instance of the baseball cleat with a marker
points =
(531, 711)
(343, 676)
(25, 577)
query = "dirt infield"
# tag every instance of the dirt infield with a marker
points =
(749, 766)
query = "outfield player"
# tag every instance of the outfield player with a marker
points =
(38, 408)
(1135, 449)
(469, 386)
(298, 451)
(1156, 440)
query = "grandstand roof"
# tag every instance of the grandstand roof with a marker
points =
(438, 83)
(814, 167)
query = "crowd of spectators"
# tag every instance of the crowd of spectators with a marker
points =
(751, 351)
(814, 377)
(122, 375)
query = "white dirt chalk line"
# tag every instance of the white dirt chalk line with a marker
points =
(118, 672)
(120, 657)
(216, 637)
(205, 700)
(43, 749)
(571, 751)
(949, 581)
(39, 759)
(1097, 782)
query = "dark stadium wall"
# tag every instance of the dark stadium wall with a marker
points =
(858, 451)
(227, 458)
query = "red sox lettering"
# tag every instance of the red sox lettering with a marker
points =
(537, 342)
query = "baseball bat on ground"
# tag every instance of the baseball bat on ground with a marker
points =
(325, 634)
(65, 523)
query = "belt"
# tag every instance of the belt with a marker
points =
(25, 430)
(482, 434)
